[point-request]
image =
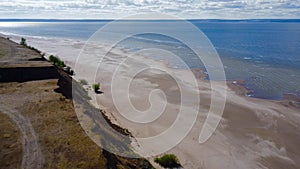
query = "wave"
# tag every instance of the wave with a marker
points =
(28, 36)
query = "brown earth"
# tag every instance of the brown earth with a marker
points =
(10, 144)
(40, 117)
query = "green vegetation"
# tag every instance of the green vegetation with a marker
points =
(59, 63)
(23, 42)
(168, 161)
(83, 82)
(96, 87)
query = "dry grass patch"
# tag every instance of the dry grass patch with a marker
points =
(10, 144)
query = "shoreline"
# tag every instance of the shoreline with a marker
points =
(251, 129)
(236, 84)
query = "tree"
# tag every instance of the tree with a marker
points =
(23, 42)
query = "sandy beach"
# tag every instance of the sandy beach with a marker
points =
(253, 133)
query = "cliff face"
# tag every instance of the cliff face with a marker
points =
(36, 100)
(23, 74)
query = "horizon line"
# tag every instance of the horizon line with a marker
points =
(103, 20)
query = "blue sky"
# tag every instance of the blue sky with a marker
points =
(113, 9)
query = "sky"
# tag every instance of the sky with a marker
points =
(116, 9)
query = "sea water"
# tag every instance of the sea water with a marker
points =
(264, 53)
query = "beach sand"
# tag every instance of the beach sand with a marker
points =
(253, 133)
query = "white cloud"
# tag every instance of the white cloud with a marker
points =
(100, 9)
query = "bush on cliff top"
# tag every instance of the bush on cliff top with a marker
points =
(96, 87)
(57, 61)
(168, 161)
(23, 42)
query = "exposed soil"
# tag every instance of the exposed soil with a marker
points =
(38, 122)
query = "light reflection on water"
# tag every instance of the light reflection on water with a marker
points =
(19, 24)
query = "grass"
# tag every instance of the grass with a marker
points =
(10, 143)
(63, 141)
(168, 161)
(83, 82)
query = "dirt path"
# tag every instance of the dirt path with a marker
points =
(32, 156)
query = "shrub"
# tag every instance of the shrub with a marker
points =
(96, 87)
(83, 82)
(168, 161)
(23, 42)
(53, 58)
(59, 63)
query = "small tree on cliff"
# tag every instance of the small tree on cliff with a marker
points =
(96, 87)
(23, 42)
